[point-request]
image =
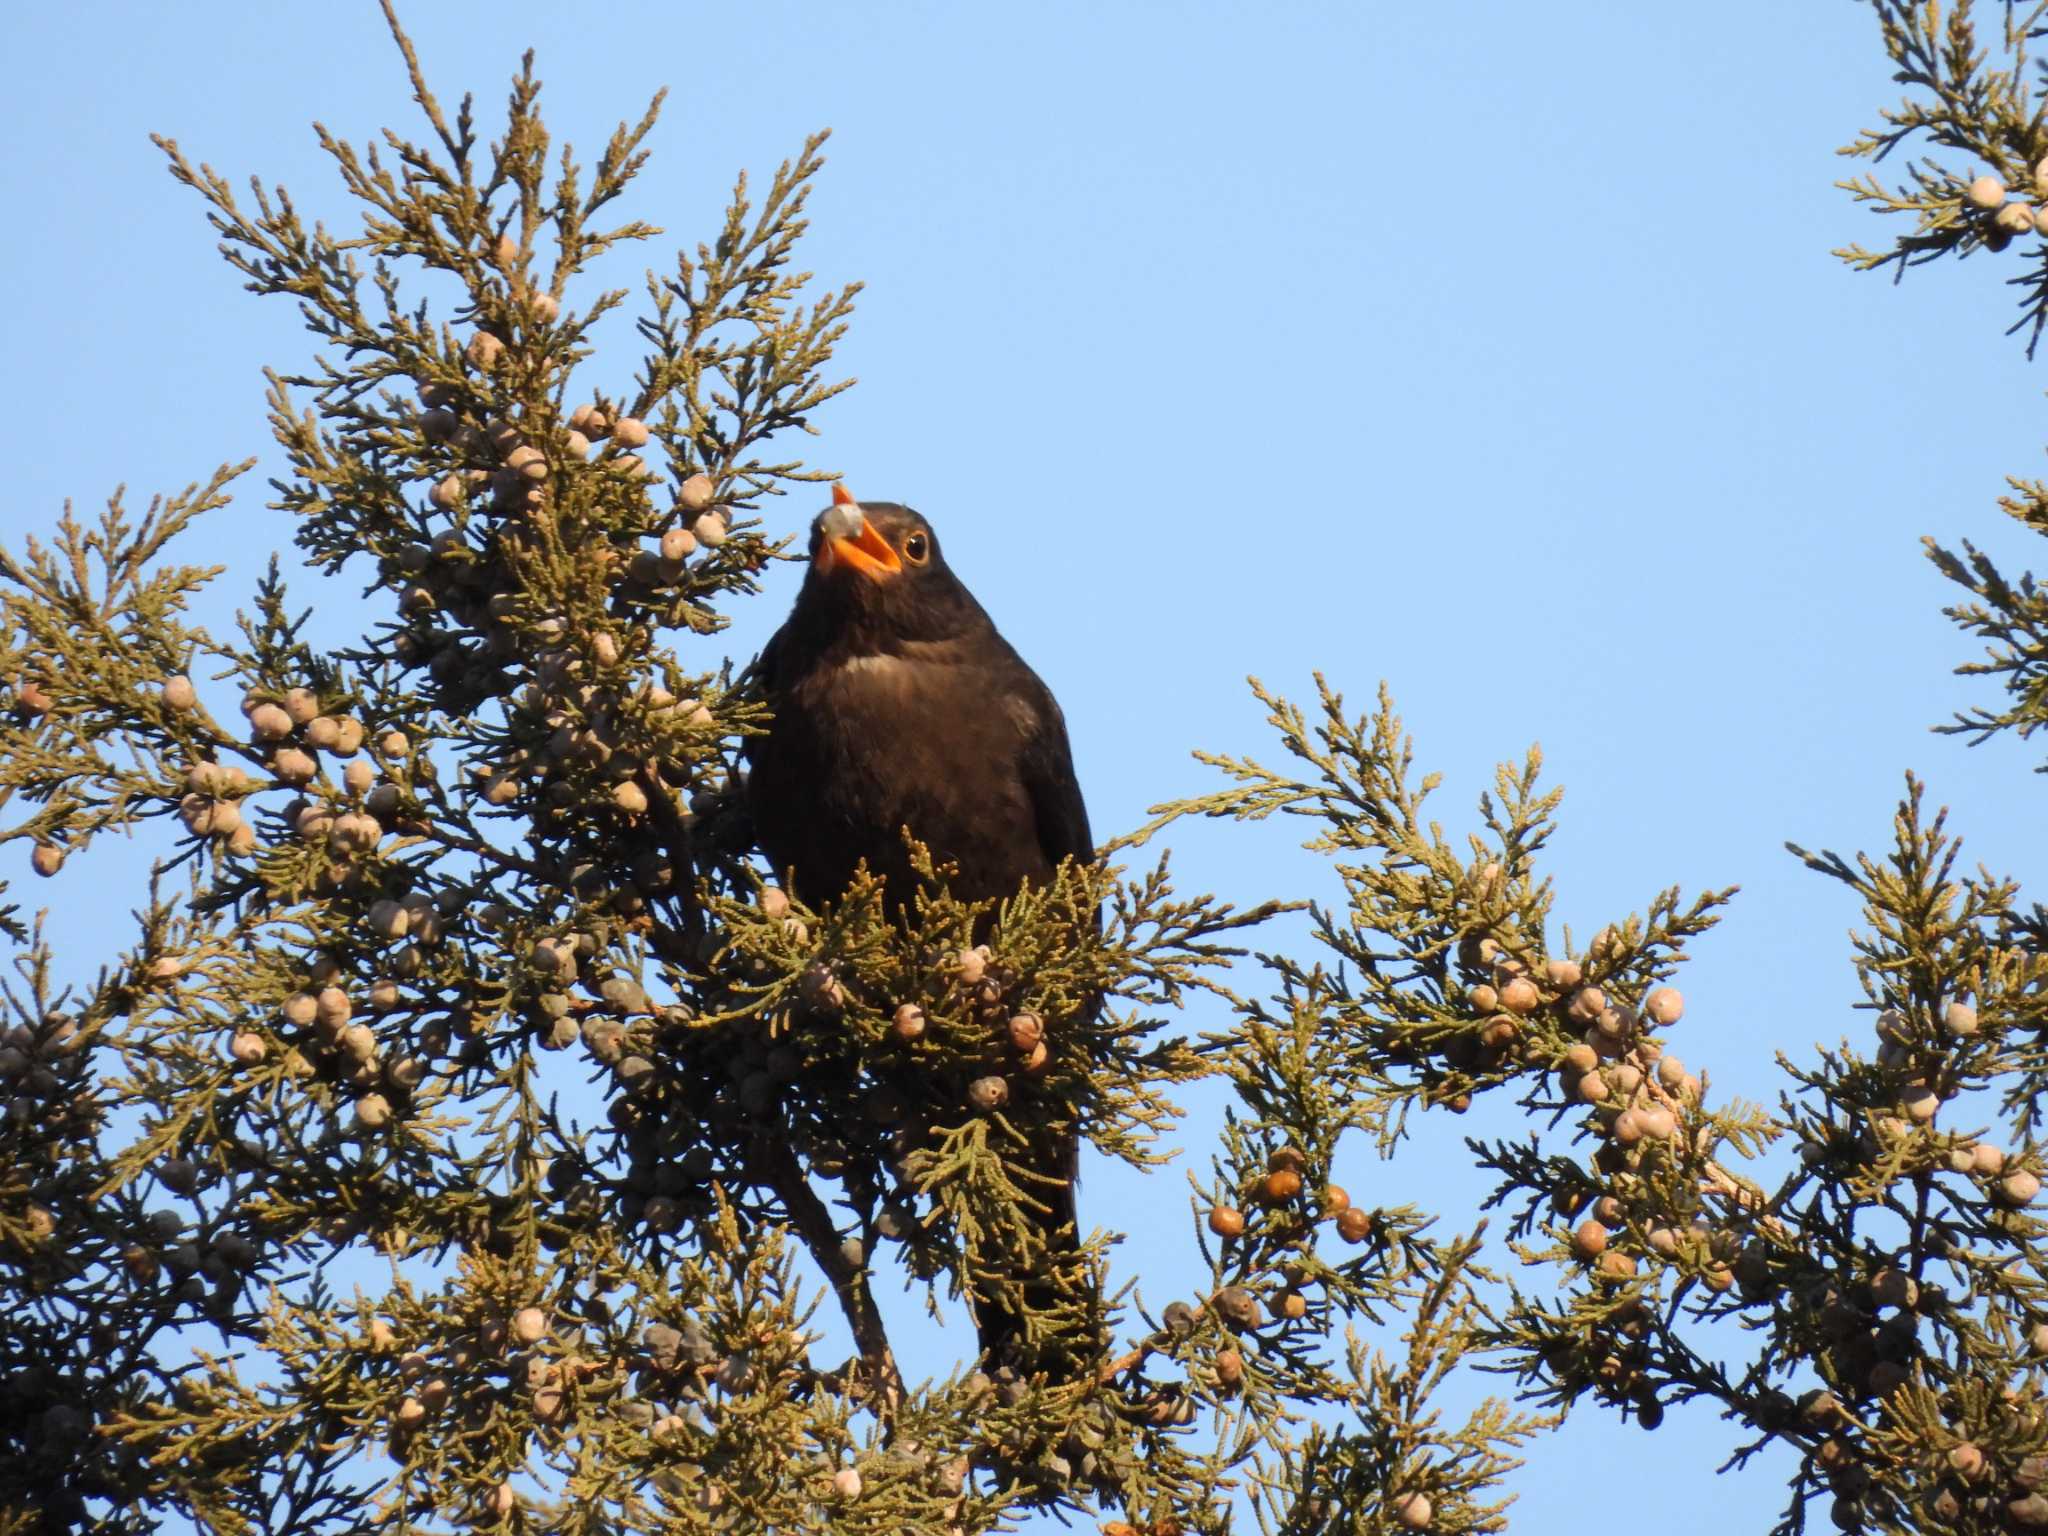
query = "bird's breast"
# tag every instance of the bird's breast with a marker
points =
(867, 745)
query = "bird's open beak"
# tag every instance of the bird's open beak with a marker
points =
(851, 540)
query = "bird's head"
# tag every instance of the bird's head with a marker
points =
(876, 571)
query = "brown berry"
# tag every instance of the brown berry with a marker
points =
(1281, 1185)
(46, 859)
(1229, 1367)
(1483, 998)
(1354, 1224)
(908, 1022)
(1026, 1030)
(1294, 1306)
(1289, 1157)
(1336, 1200)
(178, 693)
(1616, 1266)
(1563, 975)
(1226, 1221)
(1520, 996)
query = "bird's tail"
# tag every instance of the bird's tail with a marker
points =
(1034, 1308)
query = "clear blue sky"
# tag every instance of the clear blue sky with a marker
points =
(1493, 350)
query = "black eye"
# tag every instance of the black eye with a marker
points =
(917, 549)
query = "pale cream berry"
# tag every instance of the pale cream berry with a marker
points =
(2019, 1187)
(292, 767)
(1592, 1088)
(846, 1484)
(1026, 1030)
(178, 693)
(1664, 1005)
(301, 704)
(629, 797)
(267, 722)
(1986, 192)
(358, 777)
(630, 432)
(389, 918)
(528, 462)
(331, 1008)
(590, 420)
(409, 1414)
(988, 1093)
(1520, 996)
(360, 1041)
(504, 1499)
(485, 351)
(908, 1023)
(1960, 1019)
(2015, 219)
(247, 1048)
(529, 1325)
(971, 965)
(1920, 1102)
(46, 859)
(373, 1112)
(544, 307)
(449, 492)
(710, 529)
(1563, 975)
(695, 493)
(577, 444)
(1414, 1511)
(1985, 1159)
(301, 1008)
(677, 545)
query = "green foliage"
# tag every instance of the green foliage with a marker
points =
(304, 1227)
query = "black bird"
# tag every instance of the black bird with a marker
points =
(897, 705)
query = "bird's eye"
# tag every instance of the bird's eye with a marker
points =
(917, 549)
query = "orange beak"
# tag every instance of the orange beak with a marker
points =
(852, 540)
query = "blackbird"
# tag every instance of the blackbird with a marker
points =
(898, 706)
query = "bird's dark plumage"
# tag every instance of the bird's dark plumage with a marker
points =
(898, 705)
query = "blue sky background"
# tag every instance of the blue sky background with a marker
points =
(1493, 350)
